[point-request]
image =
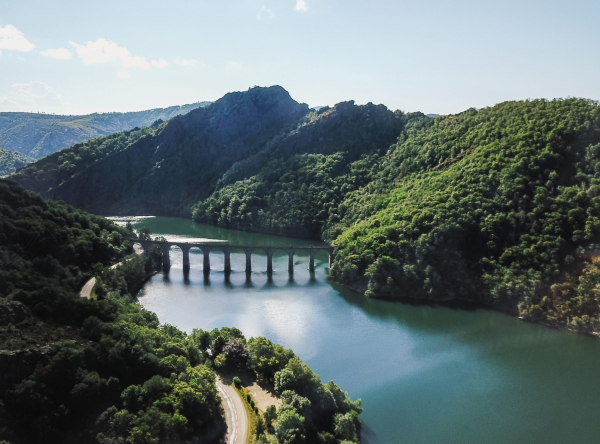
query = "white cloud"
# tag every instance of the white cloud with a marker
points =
(32, 96)
(301, 6)
(11, 39)
(60, 53)
(106, 51)
(185, 62)
(101, 51)
(264, 13)
(159, 63)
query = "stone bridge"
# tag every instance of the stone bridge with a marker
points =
(206, 248)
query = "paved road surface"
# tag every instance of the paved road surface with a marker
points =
(235, 414)
(86, 291)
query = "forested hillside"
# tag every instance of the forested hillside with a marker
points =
(291, 187)
(10, 161)
(76, 370)
(500, 206)
(38, 135)
(170, 167)
(66, 361)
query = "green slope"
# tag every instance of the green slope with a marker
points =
(163, 170)
(104, 371)
(10, 161)
(500, 206)
(292, 185)
(38, 135)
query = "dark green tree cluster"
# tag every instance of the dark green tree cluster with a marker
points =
(12, 160)
(79, 370)
(291, 186)
(497, 206)
(500, 206)
(311, 412)
(53, 170)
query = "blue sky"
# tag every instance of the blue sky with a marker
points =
(431, 56)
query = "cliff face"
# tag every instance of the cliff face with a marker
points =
(38, 135)
(166, 172)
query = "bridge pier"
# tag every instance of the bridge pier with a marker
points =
(248, 260)
(291, 261)
(269, 260)
(227, 254)
(186, 257)
(206, 265)
(166, 261)
(311, 260)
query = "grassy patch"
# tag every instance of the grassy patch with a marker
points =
(253, 414)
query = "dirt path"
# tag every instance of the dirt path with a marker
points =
(235, 414)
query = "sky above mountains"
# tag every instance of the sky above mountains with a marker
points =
(73, 57)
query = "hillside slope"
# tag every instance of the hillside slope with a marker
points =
(38, 135)
(11, 160)
(290, 187)
(500, 206)
(169, 167)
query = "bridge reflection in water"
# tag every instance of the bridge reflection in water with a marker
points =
(206, 248)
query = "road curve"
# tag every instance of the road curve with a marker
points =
(86, 291)
(235, 414)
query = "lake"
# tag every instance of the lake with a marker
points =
(425, 374)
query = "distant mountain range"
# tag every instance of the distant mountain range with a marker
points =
(38, 135)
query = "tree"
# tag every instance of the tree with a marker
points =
(270, 415)
(289, 428)
(237, 354)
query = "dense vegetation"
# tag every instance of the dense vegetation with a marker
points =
(55, 169)
(294, 184)
(500, 206)
(167, 171)
(311, 412)
(497, 206)
(11, 160)
(38, 135)
(76, 370)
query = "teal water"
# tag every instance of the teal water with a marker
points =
(425, 374)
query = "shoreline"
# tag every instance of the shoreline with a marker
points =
(459, 304)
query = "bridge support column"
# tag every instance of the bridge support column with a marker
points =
(330, 258)
(227, 254)
(186, 258)
(269, 261)
(311, 260)
(166, 261)
(291, 261)
(248, 261)
(206, 254)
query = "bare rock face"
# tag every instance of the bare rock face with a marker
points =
(12, 312)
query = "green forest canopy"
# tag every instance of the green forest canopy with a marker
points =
(105, 371)
(499, 205)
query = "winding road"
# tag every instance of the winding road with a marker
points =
(235, 414)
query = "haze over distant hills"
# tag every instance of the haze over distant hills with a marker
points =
(38, 135)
